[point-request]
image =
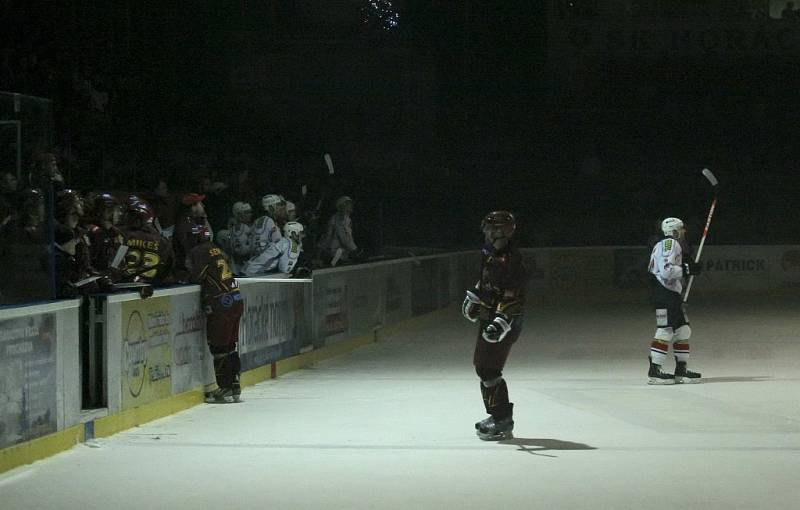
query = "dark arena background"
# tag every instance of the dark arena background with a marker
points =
(590, 120)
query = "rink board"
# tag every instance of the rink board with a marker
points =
(156, 360)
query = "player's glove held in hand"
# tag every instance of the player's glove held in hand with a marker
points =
(497, 330)
(471, 306)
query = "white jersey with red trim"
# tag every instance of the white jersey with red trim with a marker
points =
(666, 264)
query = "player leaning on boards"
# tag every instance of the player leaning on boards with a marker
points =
(496, 304)
(668, 270)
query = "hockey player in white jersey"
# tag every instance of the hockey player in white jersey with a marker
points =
(265, 233)
(284, 256)
(240, 244)
(667, 268)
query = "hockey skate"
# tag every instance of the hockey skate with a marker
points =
(656, 376)
(685, 376)
(237, 389)
(220, 396)
(496, 430)
(483, 423)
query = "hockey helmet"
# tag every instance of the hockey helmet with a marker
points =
(498, 225)
(140, 213)
(68, 201)
(293, 230)
(241, 210)
(673, 226)
(271, 203)
(343, 202)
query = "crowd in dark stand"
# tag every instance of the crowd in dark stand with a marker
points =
(99, 241)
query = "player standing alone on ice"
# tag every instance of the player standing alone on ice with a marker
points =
(496, 304)
(668, 270)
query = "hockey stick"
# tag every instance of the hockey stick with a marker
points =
(713, 180)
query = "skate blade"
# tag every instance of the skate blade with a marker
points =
(687, 380)
(494, 437)
(660, 382)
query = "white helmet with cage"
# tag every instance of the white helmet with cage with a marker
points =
(673, 227)
(293, 230)
(270, 203)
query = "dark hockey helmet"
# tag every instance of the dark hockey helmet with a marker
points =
(104, 201)
(140, 213)
(68, 201)
(499, 225)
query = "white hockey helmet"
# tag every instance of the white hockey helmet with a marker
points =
(271, 202)
(293, 230)
(671, 225)
(240, 209)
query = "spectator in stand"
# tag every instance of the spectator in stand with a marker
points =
(337, 244)
(8, 183)
(216, 202)
(45, 171)
(789, 11)
(191, 218)
(165, 207)
(31, 223)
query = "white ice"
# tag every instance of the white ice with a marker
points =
(390, 426)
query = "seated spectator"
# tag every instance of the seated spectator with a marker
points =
(191, 218)
(44, 172)
(165, 207)
(215, 203)
(8, 183)
(337, 244)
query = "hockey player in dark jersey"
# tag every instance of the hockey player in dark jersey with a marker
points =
(148, 255)
(496, 304)
(223, 306)
(104, 236)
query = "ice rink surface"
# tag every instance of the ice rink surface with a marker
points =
(390, 426)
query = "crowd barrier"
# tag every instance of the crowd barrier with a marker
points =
(71, 371)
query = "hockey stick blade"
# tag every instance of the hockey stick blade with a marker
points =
(710, 176)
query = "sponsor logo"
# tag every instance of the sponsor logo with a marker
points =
(736, 265)
(134, 350)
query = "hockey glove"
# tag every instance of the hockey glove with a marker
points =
(471, 306)
(497, 330)
(692, 268)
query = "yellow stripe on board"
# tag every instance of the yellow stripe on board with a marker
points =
(47, 446)
(109, 425)
(40, 448)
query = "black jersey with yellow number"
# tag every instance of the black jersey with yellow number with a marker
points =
(149, 255)
(503, 281)
(210, 270)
